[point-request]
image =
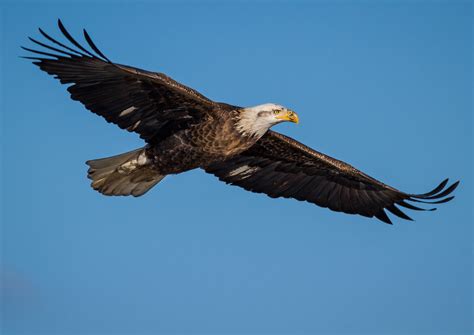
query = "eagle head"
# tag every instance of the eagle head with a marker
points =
(255, 121)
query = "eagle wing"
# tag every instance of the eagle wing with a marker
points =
(282, 167)
(148, 103)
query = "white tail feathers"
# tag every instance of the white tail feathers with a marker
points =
(126, 174)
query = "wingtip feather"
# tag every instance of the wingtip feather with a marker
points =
(382, 216)
(93, 46)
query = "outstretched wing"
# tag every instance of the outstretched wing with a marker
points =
(282, 167)
(148, 103)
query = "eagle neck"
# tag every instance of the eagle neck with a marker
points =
(250, 125)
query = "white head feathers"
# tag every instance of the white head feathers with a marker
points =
(255, 121)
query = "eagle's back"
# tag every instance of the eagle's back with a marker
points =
(213, 139)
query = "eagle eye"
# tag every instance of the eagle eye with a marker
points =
(276, 111)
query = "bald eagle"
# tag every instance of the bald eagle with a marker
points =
(184, 130)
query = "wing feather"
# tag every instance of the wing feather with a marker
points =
(156, 103)
(282, 167)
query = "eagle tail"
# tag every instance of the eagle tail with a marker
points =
(130, 173)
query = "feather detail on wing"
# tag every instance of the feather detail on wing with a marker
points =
(282, 167)
(148, 103)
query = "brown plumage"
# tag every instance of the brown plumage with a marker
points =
(185, 130)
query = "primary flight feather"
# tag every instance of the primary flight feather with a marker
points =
(184, 130)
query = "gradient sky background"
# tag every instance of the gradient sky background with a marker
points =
(385, 86)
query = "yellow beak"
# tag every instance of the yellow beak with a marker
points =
(289, 116)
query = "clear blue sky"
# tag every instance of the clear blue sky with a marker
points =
(385, 86)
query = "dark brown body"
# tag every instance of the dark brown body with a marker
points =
(208, 142)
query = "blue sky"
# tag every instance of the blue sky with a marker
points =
(385, 86)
